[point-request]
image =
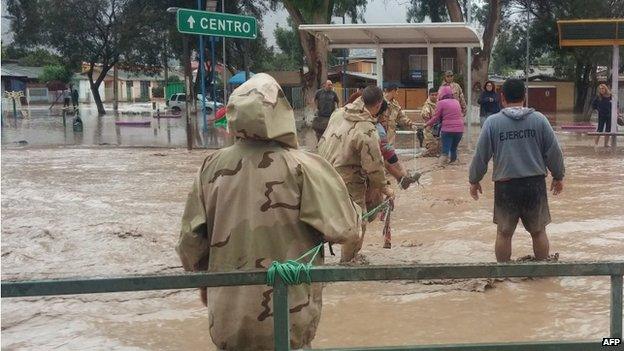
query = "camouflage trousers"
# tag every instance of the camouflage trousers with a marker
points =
(367, 199)
(431, 143)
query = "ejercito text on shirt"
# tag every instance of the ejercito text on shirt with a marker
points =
(517, 134)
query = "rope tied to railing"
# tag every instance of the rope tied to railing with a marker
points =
(293, 271)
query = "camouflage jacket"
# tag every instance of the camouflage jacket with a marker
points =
(396, 117)
(427, 110)
(258, 201)
(351, 145)
(458, 94)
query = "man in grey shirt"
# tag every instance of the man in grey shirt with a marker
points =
(326, 101)
(524, 148)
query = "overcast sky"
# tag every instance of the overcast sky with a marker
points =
(377, 11)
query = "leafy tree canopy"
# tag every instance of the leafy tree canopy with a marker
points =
(56, 73)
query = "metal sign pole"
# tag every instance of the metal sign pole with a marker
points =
(614, 94)
(202, 70)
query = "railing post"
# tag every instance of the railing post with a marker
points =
(616, 306)
(281, 325)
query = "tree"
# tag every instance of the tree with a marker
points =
(489, 16)
(40, 58)
(510, 49)
(287, 39)
(315, 50)
(354, 9)
(101, 33)
(36, 58)
(56, 73)
(578, 63)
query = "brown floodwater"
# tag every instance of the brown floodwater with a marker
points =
(93, 211)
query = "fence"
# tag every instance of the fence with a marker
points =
(37, 94)
(353, 274)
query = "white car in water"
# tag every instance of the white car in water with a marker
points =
(177, 103)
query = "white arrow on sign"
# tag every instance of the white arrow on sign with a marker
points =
(191, 21)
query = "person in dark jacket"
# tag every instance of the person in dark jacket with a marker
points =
(74, 96)
(602, 103)
(489, 102)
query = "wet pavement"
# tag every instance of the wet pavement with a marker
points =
(89, 210)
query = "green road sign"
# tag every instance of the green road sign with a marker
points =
(216, 23)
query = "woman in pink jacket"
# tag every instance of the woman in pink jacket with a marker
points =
(449, 111)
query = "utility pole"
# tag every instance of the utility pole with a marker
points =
(246, 59)
(165, 65)
(528, 41)
(345, 53)
(187, 80)
(115, 89)
(202, 72)
(469, 80)
(224, 65)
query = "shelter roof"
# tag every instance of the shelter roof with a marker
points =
(360, 75)
(15, 70)
(387, 35)
(591, 32)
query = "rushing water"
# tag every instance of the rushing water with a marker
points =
(93, 211)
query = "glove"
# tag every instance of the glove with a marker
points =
(409, 180)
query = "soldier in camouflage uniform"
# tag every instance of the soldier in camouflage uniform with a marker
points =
(432, 144)
(458, 93)
(258, 201)
(396, 117)
(351, 144)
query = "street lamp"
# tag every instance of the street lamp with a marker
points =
(187, 84)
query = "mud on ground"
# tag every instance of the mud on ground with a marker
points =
(111, 211)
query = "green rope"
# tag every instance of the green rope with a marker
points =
(375, 210)
(292, 271)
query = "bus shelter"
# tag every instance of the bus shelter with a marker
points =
(391, 36)
(598, 32)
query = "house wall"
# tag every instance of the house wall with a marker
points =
(84, 92)
(362, 67)
(396, 68)
(565, 94)
(37, 93)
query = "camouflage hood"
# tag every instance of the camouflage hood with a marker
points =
(258, 110)
(356, 112)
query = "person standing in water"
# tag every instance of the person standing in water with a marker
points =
(602, 103)
(489, 102)
(448, 112)
(524, 148)
(326, 101)
(258, 201)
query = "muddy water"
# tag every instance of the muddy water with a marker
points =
(85, 211)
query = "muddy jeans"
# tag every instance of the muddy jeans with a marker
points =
(524, 199)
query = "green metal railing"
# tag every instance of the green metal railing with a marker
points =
(343, 274)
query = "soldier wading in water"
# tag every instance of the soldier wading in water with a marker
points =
(258, 201)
